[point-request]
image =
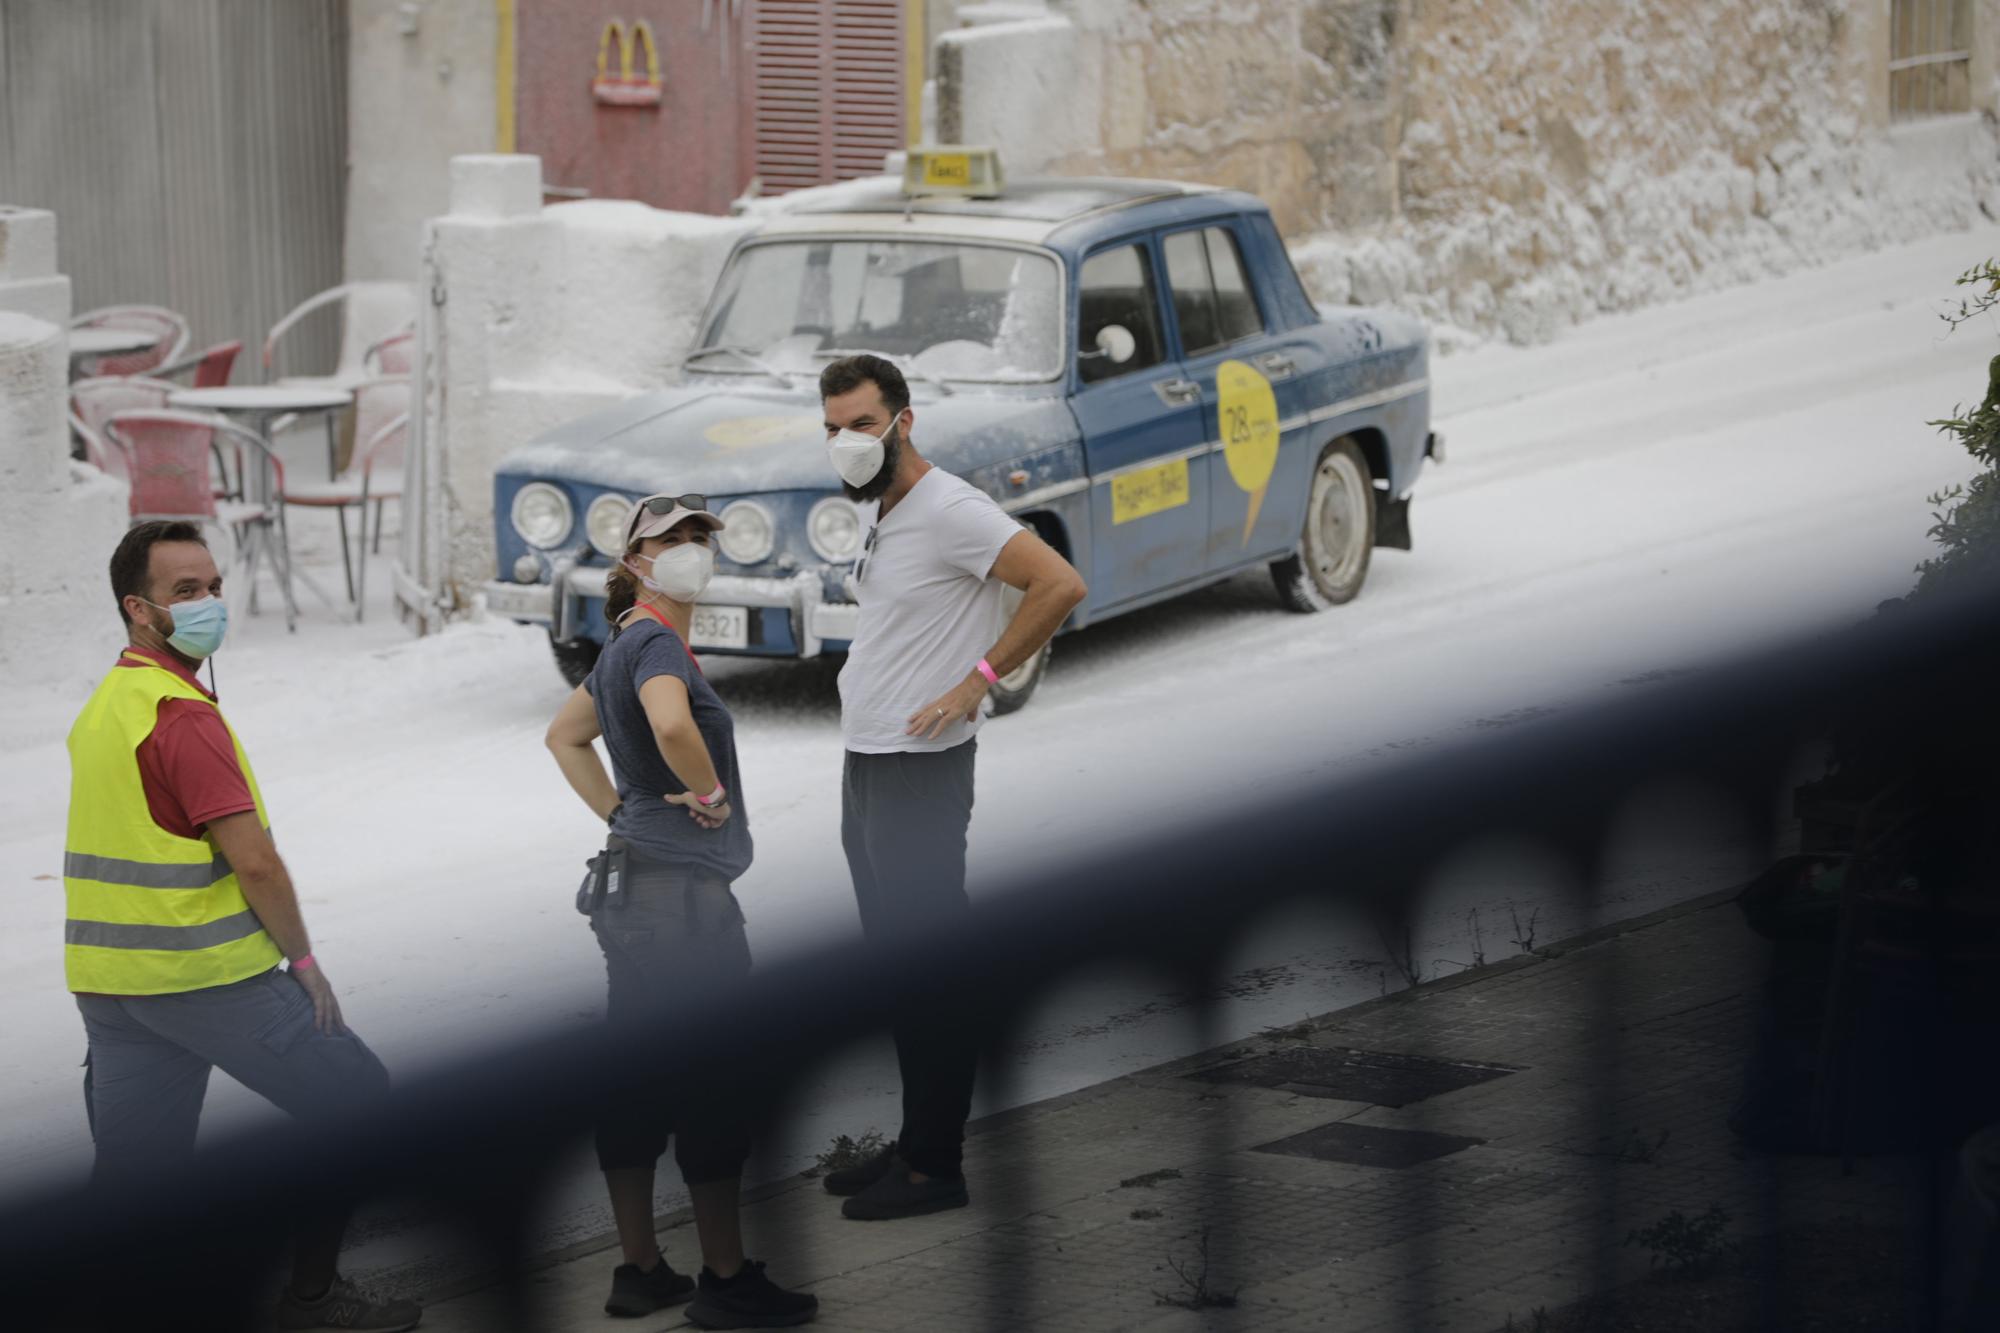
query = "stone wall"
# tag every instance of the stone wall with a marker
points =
(1505, 165)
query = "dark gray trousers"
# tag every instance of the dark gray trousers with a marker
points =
(150, 1057)
(903, 823)
(677, 931)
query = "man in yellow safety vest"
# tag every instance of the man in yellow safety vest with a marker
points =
(180, 909)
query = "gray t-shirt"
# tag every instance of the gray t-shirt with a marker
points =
(663, 832)
(929, 611)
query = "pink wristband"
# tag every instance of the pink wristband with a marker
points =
(986, 670)
(302, 964)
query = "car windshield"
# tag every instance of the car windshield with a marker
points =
(950, 310)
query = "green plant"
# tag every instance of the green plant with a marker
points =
(847, 1152)
(1685, 1244)
(1150, 1179)
(1524, 934)
(1966, 519)
(1637, 1149)
(1196, 1294)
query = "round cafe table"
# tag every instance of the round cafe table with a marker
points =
(255, 406)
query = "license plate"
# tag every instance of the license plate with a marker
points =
(520, 601)
(721, 627)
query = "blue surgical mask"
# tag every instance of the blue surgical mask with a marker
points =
(198, 625)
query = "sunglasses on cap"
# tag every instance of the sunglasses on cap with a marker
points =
(667, 504)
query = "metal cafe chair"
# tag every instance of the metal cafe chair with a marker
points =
(168, 453)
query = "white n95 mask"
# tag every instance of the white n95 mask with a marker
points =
(856, 455)
(680, 572)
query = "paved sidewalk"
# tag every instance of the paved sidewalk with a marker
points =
(1082, 1205)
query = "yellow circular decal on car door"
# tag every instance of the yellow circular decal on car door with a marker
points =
(1247, 413)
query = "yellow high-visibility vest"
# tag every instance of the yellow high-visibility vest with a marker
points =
(150, 913)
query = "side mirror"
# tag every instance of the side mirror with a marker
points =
(1115, 341)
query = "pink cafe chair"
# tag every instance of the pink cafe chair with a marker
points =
(168, 457)
(170, 331)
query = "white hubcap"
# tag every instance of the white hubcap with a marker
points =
(1336, 525)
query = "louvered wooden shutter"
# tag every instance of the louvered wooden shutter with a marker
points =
(827, 94)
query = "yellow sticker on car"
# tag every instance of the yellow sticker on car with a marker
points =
(749, 432)
(1149, 491)
(948, 169)
(1247, 413)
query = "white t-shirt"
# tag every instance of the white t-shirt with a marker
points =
(929, 612)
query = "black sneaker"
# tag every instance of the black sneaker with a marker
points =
(635, 1292)
(344, 1305)
(896, 1195)
(854, 1179)
(748, 1300)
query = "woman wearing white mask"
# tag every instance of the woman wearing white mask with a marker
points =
(669, 922)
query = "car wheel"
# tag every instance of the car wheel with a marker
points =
(1332, 556)
(1012, 693)
(575, 658)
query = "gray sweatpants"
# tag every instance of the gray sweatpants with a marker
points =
(150, 1056)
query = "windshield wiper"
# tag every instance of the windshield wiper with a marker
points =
(743, 353)
(909, 371)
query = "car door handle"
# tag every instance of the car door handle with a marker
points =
(1277, 365)
(1178, 393)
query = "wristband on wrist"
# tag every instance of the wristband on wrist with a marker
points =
(986, 670)
(613, 816)
(714, 798)
(303, 964)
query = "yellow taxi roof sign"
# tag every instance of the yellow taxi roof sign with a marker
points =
(960, 169)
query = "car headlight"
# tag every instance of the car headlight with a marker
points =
(834, 528)
(748, 535)
(542, 514)
(604, 524)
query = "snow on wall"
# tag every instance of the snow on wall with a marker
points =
(548, 313)
(60, 520)
(1504, 167)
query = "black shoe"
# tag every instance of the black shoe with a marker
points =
(344, 1305)
(896, 1195)
(635, 1292)
(854, 1179)
(748, 1300)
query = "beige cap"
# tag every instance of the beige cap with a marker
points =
(644, 522)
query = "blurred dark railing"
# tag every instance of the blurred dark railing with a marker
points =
(480, 1140)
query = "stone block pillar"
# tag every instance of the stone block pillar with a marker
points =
(59, 520)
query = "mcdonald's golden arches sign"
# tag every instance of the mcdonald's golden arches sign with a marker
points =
(627, 87)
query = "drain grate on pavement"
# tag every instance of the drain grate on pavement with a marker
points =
(1379, 1078)
(1369, 1145)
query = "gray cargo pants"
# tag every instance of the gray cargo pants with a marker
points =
(150, 1056)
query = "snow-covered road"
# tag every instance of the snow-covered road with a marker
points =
(1652, 491)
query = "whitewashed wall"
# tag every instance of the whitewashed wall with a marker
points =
(59, 521)
(536, 315)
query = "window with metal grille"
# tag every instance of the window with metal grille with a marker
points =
(1930, 58)
(827, 90)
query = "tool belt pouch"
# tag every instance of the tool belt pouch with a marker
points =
(603, 886)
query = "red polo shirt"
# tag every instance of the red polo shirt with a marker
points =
(188, 763)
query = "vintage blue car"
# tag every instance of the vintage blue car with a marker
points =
(1130, 367)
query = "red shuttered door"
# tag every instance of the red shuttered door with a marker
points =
(827, 90)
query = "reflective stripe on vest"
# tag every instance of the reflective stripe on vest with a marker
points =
(149, 912)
